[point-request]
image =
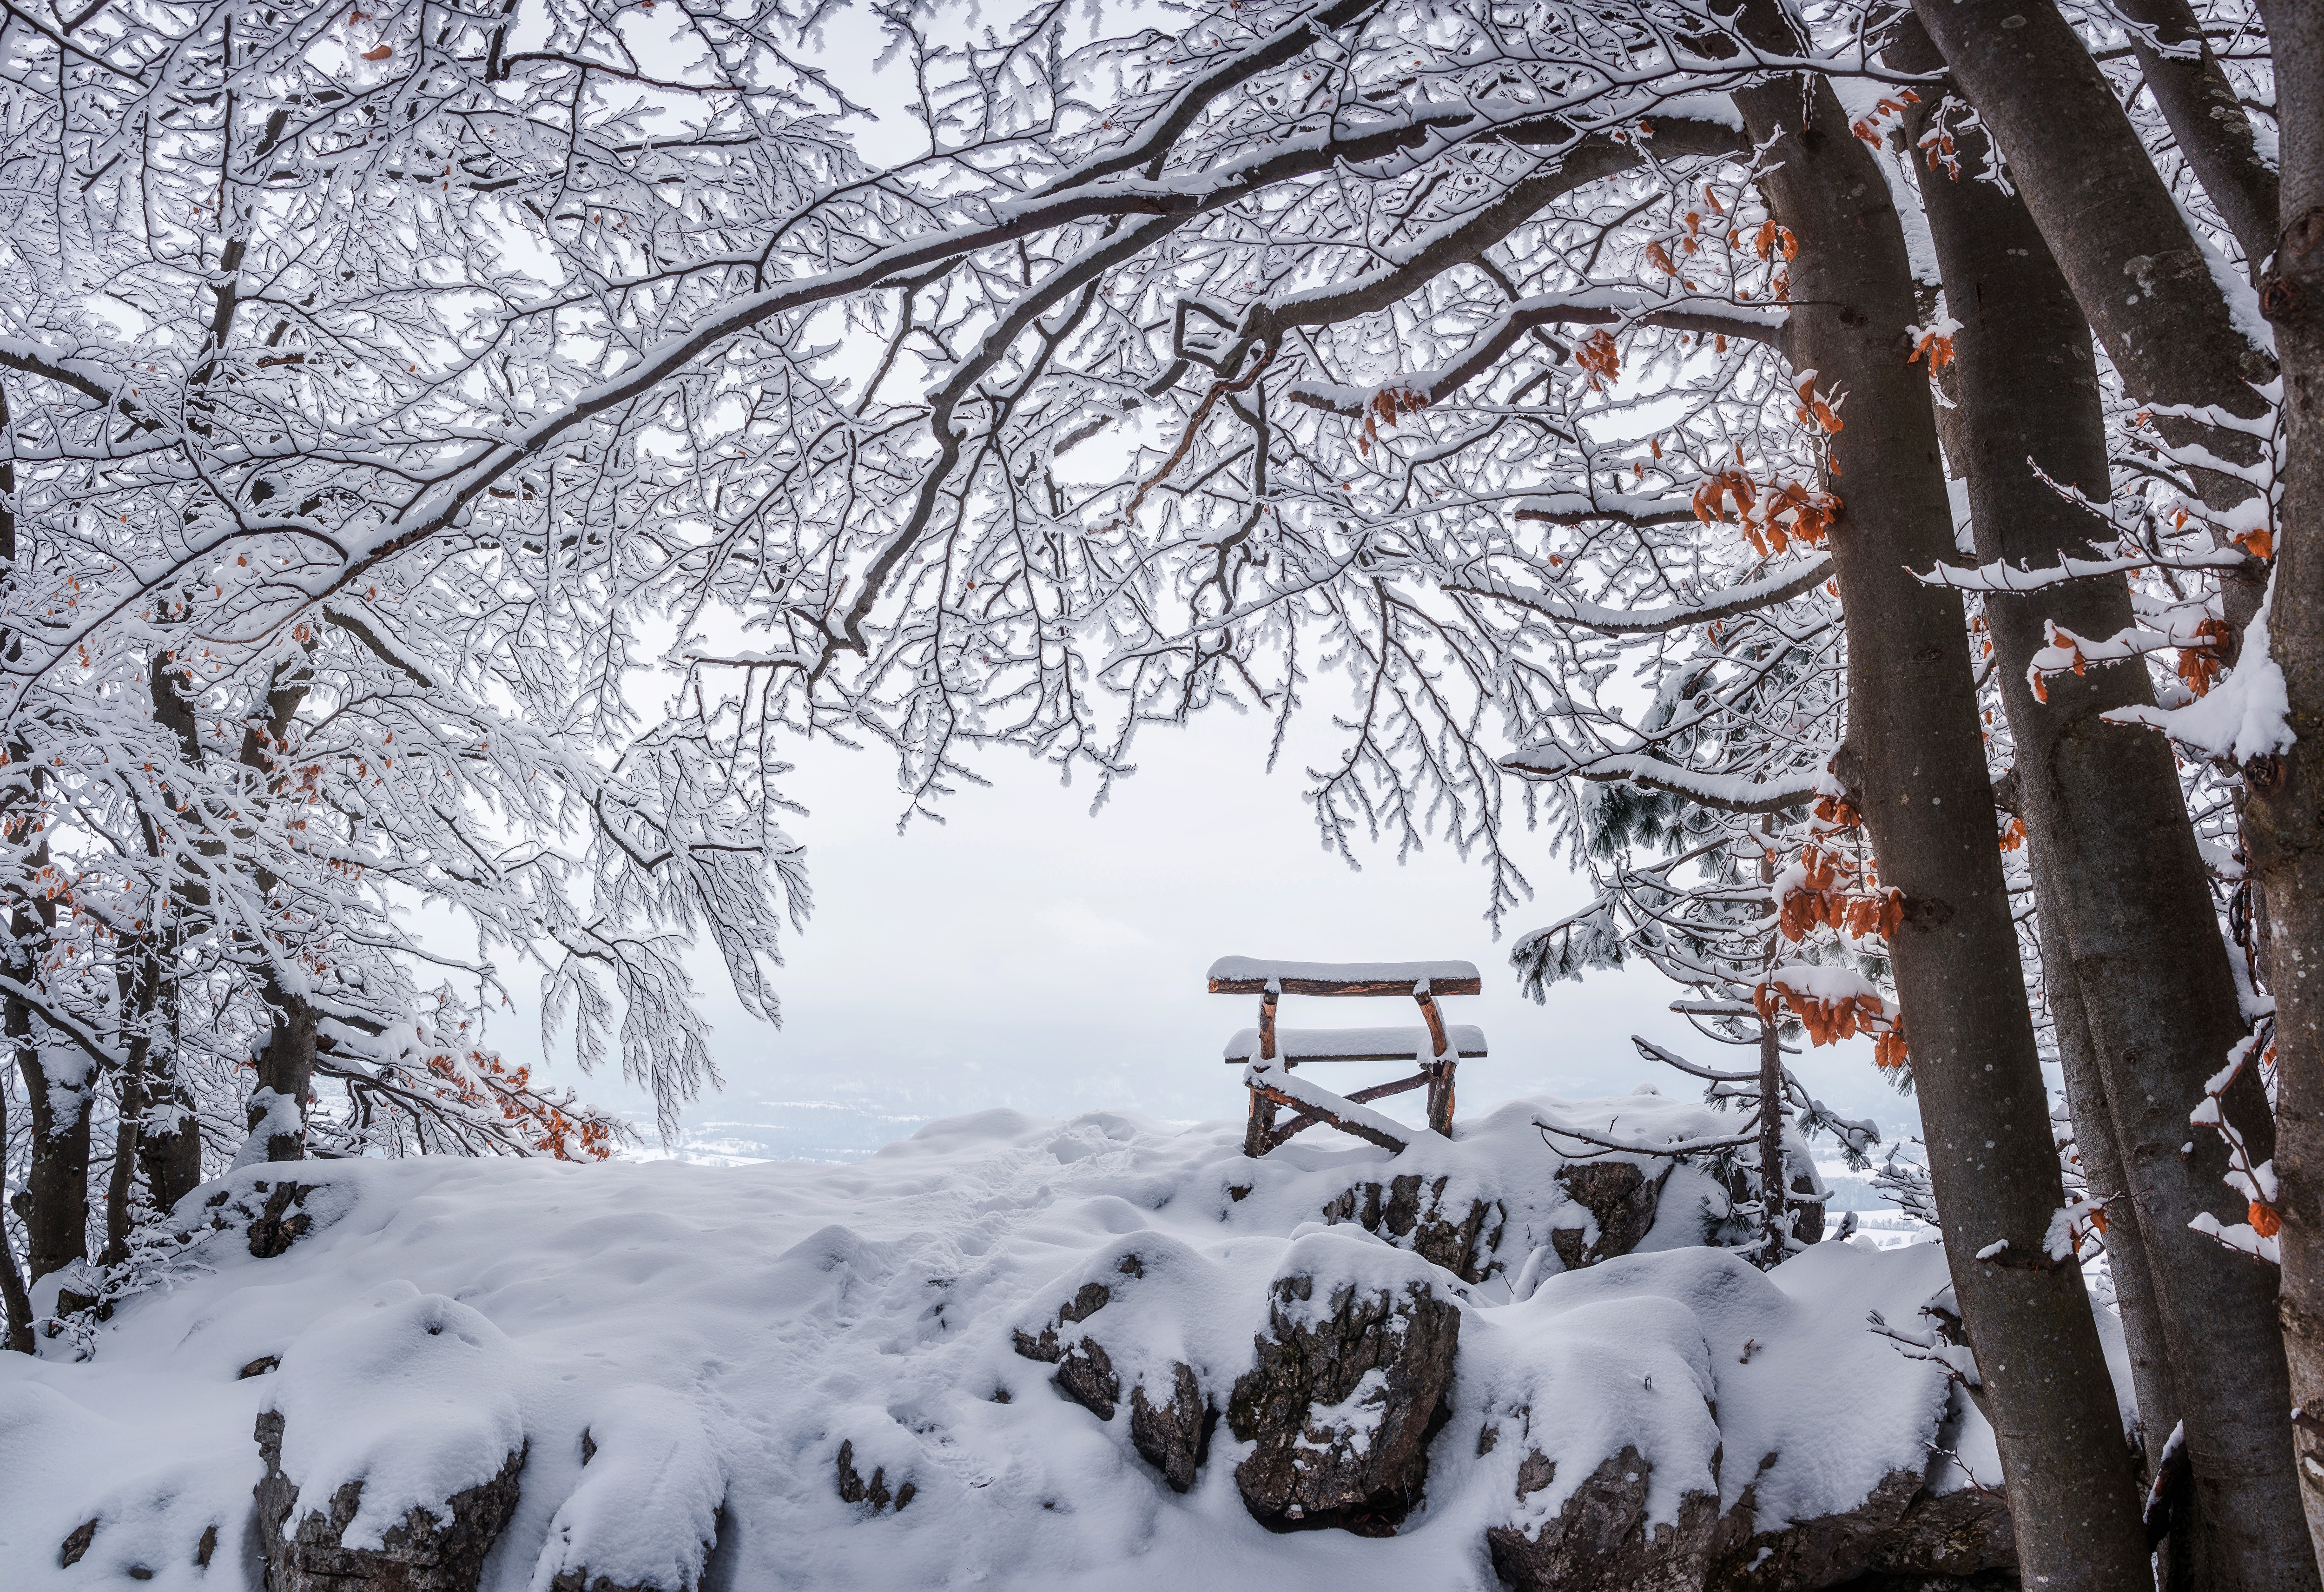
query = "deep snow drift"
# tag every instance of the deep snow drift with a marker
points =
(710, 1338)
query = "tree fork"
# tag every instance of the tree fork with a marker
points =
(1915, 764)
(2115, 857)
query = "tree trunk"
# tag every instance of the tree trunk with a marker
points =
(2115, 859)
(140, 991)
(2283, 809)
(2158, 1409)
(287, 1065)
(55, 1223)
(1774, 1181)
(2208, 121)
(286, 1072)
(121, 1181)
(172, 1154)
(1915, 764)
(16, 1301)
(2138, 275)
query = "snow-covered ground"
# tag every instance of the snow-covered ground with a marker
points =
(718, 1332)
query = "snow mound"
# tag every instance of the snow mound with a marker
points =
(793, 1375)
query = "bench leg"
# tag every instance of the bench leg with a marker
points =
(1440, 1098)
(1261, 1126)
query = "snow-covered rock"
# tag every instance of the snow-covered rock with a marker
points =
(1351, 1381)
(840, 1376)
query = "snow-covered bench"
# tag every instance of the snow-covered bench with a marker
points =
(1267, 1053)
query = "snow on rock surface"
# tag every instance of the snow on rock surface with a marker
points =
(1007, 1351)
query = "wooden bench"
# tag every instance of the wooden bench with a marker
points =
(1267, 1053)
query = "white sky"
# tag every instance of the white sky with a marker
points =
(1028, 954)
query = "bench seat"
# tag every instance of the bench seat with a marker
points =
(1356, 1044)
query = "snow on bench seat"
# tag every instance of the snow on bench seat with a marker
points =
(1250, 975)
(1356, 1044)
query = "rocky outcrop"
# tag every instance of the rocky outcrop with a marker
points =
(1901, 1538)
(1601, 1540)
(1341, 1404)
(279, 1222)
(1085, 1372)
(270, 1214)
(1171, 1431)
(579, 1580)
(1174, 1436)
(419, 1553)
(1620, 1197)
(1412, 1214)
(854, 1489)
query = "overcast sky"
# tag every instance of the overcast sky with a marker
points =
(1028, 954)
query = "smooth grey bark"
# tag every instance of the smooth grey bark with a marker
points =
(1774, 1178)
(2138, 275)
(2283, 807)
(286, 1065)
(56, 1216)
(1915, 764)
(2102, 1167)
(17, 1024)
(172, 1156)
(16, 1301)
(2115, 858)
(121, 1178)
(140, 989)
(2207, 120)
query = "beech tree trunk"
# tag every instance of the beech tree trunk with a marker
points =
(2115, 858)
(140, 989)
(2207, 121)
(56, 1214)
(171, 1155)
(286, 1072)
(14, 1299)
(2283, 808)
(2102, 1166)
(1775, 1177)
(286, 1067)
(1915, 765)
(2137, 272)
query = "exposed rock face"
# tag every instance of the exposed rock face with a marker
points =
(1900, 1539)
(280, 1222)
(419, 1554)
(1172, 1433)
(1085, 1373)
(1175, 1437)
(1600, 1542)
(1619, 1196)
(1413, 1216)
(854, 1489)
(1342, 1403)
(577, 1580)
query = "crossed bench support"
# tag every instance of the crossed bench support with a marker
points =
(1267, 1053)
